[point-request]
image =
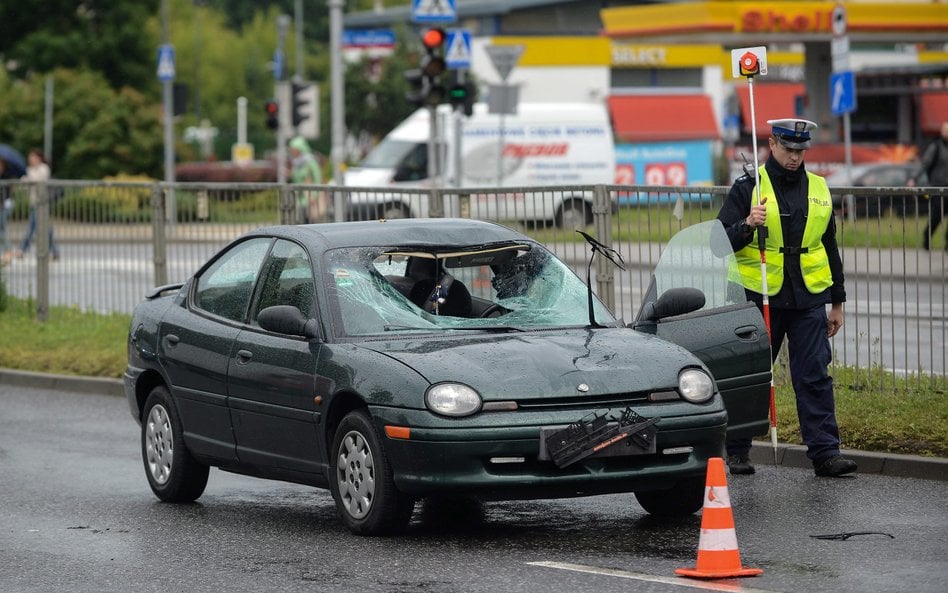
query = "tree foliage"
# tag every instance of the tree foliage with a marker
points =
(97, 130)
(101, 35)
(108, 101)
(375, 91)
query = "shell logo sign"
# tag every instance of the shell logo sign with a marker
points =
(770, 20)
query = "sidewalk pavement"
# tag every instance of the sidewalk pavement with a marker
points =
(887, 464)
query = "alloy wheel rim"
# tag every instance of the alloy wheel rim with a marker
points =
(355, 475)
(159, 444)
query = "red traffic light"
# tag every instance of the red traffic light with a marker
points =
(271, 107)
(433, 38)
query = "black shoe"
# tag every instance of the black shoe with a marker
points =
(740, 464)
(835, 466)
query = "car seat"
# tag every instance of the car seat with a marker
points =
(447, 296)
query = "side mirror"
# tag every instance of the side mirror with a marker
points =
(676, 301)
(287, 319)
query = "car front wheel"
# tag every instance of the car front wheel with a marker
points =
(362, 485)
(686, 498)
(173, 474)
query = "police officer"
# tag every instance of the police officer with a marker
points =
(804, 274)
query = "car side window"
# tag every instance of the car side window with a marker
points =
(225, 288)
(287, 280)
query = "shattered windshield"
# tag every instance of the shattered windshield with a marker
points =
(499, 287)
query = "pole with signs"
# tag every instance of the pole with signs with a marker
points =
(503, 98)
(843, 91)
(166, 76)
(337, 104)
(283, 23)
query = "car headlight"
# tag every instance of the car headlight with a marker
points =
(695, 385)
(452, 399)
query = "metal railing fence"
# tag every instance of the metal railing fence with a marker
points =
(112, 241)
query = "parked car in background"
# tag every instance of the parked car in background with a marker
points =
(877, 175)
(395, 360)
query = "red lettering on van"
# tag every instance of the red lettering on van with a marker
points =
(519, 151)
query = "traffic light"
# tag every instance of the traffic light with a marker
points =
(425, 86)
(303, 101)
(273, 114)
(462, 96)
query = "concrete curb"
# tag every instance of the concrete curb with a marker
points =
(99, 385)
(887, 464)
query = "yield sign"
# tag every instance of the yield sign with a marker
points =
(504, 58)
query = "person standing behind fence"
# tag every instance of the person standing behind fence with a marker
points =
(312, 206)
(37, 171)
(804, 274)
(934, 164)
(6, 205)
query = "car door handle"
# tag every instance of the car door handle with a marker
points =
(244, 356)
(747, 333)
(172, 339)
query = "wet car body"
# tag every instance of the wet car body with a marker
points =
(371, 386)
(878, 175)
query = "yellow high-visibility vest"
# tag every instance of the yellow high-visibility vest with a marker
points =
(813, 260)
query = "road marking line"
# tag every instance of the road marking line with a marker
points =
(624, 574)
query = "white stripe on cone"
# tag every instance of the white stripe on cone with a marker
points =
(717, 540)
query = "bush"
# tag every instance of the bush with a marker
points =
(108, 203)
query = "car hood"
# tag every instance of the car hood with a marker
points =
(368, 177)
(544, 364)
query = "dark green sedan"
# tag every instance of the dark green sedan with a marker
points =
(396, 360)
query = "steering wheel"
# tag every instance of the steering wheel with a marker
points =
(491, 309)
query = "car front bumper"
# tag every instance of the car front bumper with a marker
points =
(505, 463)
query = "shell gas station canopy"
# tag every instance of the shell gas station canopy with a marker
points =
(729, 24)
(750, 23)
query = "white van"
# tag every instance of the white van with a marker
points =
(553, 145)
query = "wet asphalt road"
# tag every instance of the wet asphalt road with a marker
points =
(76, 515)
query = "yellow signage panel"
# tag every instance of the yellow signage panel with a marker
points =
(560, 51)
(241, 153)
(771, 17)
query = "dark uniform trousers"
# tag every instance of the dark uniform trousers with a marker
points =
(809, 350)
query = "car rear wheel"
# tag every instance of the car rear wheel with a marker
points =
(173, 474)
(686, 498)
(574, 214)
(366, 498)
(395, 211)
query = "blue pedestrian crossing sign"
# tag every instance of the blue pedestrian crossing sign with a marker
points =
(165, 63)
(433, 11)
(842, 92)
(457, 55)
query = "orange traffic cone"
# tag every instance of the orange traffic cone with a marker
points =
(718, 556)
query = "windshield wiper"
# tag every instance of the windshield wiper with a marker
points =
(399, 328)
(490, 328)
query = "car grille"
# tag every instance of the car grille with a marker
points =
(585, 402)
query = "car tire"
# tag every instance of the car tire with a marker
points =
(366, 497)
(173, 473)
(574, 214)
(395, 211)
(686, 498)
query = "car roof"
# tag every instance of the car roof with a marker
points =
(838, 177)
(420, 232)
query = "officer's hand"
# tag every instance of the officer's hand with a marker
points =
(758, 214)
(834, 320)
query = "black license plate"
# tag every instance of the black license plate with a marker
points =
(598, 435)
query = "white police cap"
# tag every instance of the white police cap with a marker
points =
(792, 133)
